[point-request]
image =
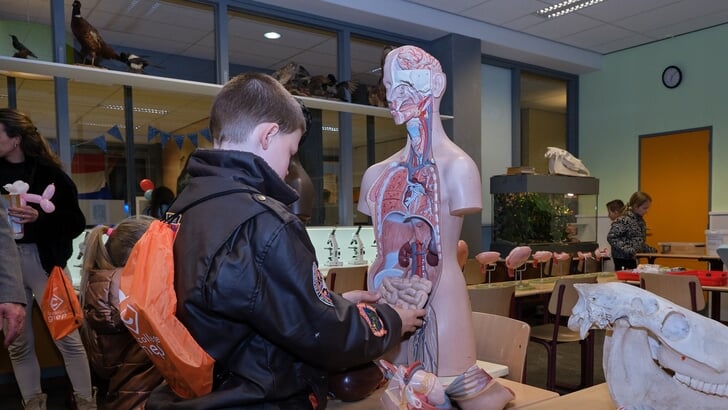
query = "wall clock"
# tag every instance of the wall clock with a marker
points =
(671, 76)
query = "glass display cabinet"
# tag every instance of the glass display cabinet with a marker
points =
(546, 212)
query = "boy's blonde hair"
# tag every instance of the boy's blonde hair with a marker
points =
(248, 100)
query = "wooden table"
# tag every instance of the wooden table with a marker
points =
(592, 398)
(525, 396)
(540, 287)
(714, 262)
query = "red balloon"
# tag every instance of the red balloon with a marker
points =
(146, 184)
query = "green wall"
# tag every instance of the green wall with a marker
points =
(626, 99)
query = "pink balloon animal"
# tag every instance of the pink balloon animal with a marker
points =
(516, 258)
(20, 187)
(44, 200)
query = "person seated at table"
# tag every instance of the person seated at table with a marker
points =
(628, 232)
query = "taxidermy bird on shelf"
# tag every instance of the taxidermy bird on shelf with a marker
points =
(136, 63)
(21, 51)
(93, 46)
(294, 78)
(327, 86)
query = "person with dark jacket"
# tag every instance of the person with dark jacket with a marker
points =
(246, 277)
(114, 354)
(627, 234)
(47, 241)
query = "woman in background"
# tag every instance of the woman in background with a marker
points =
(114, 353)
(628, 232)
(47, 242)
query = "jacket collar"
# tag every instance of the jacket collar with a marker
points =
(211, 171)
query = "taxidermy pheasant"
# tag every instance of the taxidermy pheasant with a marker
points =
(93, 46)
(327, 86)
(21, 51)
(136, 63)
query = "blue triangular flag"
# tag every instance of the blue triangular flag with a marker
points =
(193, 138)
(206, 133)
(100, 142)
(179, 139)
(151, 133)
(165, 137)
(115, 132)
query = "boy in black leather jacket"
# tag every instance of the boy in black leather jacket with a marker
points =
(246, 276)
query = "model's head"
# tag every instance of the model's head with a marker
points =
(254, 113)
(20, 139)
(640, 202)
(411, 75)
(615, 208)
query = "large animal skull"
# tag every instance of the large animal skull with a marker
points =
(562, 162)
(659, 355)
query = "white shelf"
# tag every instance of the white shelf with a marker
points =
(44, 70)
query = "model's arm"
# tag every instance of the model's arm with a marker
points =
(463, 184)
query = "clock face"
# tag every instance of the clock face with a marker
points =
(671, 76)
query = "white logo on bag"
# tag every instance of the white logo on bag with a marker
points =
(130, 317)
(55, 303)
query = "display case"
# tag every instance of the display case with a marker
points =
(546, 212)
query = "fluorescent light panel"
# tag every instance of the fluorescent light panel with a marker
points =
(566, 7)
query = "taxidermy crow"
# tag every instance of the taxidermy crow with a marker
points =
(21, 50)
(93, 47)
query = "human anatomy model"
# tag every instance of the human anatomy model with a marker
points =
(417, 199)
(659, 355)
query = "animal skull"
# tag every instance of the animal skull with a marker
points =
(659, 355)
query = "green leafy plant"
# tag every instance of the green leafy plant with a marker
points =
(523, 218)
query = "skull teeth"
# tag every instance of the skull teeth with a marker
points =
(699, 385)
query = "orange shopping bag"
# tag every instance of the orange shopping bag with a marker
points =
(147, 306)
(60, 306)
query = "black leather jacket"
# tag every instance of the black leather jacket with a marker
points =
(250, 293)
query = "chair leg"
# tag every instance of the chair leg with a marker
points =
(587, 361)
(551, 368)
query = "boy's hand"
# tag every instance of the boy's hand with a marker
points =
(411, 319)
(361, 296)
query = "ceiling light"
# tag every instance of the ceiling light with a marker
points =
(566, 7)
(145, 110)
(272, 35)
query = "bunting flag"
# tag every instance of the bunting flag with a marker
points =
(206, 134)
(100, 142)
(165, 137)
(115, 132)
(193, 138)
(179, 139)
(151, 133)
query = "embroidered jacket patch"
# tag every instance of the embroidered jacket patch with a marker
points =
(319, 286)
(370, 315)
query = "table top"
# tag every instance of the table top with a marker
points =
(696, 256)
(525, 396)
(546, 285)
(592, 398)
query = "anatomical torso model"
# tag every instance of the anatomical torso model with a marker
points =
(417, 199)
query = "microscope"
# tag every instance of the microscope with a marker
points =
(333, 247)
(358, 246)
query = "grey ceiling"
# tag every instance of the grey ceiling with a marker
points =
(506, 28)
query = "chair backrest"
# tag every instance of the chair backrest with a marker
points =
(564, 297)
(502, 340)
(497, 299)
(682, 290)
(473, 272)
(342, 279)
